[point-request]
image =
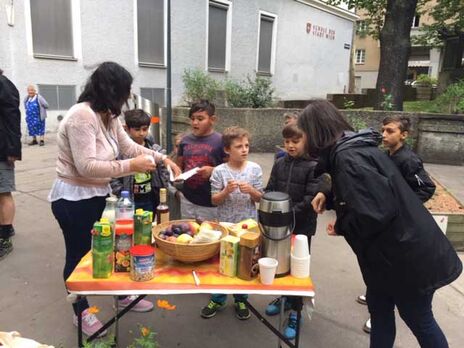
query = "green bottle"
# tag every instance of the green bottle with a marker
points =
(102, 249)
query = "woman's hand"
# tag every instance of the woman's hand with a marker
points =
(174, 167)
(318, 203)
(142, 163)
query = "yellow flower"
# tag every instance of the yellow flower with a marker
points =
(145, 331)
(93, 310)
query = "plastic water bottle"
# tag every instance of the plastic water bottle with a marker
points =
(125, 207)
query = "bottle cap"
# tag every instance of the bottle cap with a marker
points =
(125, 194)
(139, 211)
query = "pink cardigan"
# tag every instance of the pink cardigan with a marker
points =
(87, 152)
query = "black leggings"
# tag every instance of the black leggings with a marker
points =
(76, 219)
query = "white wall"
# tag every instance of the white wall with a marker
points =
(368, 78)
(305, 66)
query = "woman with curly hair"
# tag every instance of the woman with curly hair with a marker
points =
(90, 139)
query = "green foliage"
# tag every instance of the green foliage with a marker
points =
(348, 104)
(387, 101)
(101, 343)
(452, 100)
(199, 85)
(426, 80)
(250, 93)
(356, 121)
(448, 19)
(146, 339)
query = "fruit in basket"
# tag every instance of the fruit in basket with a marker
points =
(184, 239)
(206, 226)
(171, 239)
(194, 227)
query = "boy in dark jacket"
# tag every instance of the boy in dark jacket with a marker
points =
(395, 130)
(294, 174)
(10, 151)
(144, 187)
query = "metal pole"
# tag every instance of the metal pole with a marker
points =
(168, 82)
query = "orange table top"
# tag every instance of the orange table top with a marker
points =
(173, 277)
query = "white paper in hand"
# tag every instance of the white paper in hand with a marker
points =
(184, 176)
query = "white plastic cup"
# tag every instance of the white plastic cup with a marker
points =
(267, 270)
(300, 246)
(300, 267)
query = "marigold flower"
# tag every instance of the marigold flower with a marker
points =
(93, 310)
(164, 304)
(145, 331)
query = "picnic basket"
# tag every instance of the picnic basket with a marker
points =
(187, 252)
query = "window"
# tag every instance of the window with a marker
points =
(59, 97)
(415, 21)
(218, 35)
(361, 27)
(51, 23)
(265, 45)
(150, 32)
(155, 95)
(360, 56)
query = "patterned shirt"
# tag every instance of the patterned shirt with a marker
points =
(237, 206)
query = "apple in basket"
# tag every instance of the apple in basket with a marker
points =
(206, 226)
(194, 227)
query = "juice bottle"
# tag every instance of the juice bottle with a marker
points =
(102, 249)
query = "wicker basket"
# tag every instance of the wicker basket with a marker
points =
(187, 252)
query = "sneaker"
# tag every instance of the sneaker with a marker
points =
(290, 328)
(361, 299)
(211, 309)
(273, 308)
(6, 247)
(41, 143)
(90, 323)
(241, 311)
(367, 326)
(142, 306)
(33, 142)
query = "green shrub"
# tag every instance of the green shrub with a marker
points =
(199, 85)
(356, 122)
(426, 80)
(260, 92)
(236, 94)
(255, 93)
(452, 99)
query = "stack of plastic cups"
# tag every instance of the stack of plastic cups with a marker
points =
(300, 258)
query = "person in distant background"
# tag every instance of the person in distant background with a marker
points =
(36, 112)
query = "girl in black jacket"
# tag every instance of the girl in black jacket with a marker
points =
(403, 255)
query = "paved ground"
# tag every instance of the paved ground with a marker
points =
(33, 299)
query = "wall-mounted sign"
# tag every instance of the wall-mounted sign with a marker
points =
(346, 46)
(319, 31)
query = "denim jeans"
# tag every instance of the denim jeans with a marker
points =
(221, 298)
(76, 219)
(415, 310)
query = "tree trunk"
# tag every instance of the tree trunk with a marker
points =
(395, 46)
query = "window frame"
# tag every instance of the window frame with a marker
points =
(57, 86)
(416, 16)
(165, 39)
(274, 43)
(362, 56)
(227, 62)
(155, 88)
(75, 33)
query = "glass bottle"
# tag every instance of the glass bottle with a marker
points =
(162, 210)
(110, 210)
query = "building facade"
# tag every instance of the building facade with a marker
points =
(55, 44)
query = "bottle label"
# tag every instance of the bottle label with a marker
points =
(163, 217)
